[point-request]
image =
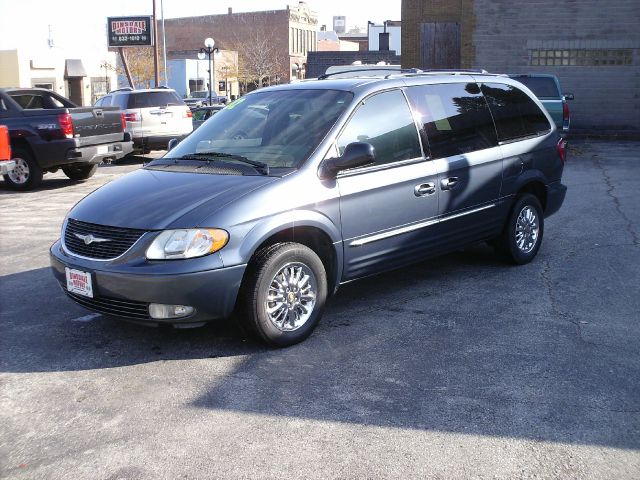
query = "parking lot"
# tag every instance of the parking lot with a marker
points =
(459, 367)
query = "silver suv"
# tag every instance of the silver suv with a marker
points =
(153, 116)
(292, 190)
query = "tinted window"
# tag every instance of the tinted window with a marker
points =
(29, 101)
(120, 101)
(104, 101)
(199, 114)
(515, 113)
(154, 99)
(384, 121)
(455, 118)
(542, 87)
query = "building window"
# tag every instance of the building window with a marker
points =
(196, 85)
(291, 41)
(100, 86)
(581, 57)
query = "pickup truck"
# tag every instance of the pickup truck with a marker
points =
(48, 132)
(547, 88)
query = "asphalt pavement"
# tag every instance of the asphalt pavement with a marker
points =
(459, 367)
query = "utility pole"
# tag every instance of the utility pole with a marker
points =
(155, 45)
(164, 43)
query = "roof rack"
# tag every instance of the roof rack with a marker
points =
(373, 68)
(123, 89)
(444, 71)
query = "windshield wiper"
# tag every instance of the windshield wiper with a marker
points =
(260, 166)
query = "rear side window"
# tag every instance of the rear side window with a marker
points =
(29, 101)
(515, 113)
(154, 99)
(384, 121)
(455, 118)
(119, 101)
(542, 87)
(104, 101)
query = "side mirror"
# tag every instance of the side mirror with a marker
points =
(355, 155)
(568, 96)
(172, 144)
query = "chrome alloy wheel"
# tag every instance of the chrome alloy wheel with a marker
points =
(20, 174)
(527, 229)
(291, 297)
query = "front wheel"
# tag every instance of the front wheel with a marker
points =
(283, 294)
(522, 236)
(80, 172)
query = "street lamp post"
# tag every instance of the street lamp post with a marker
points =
(209, 50)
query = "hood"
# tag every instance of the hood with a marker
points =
(155, 200)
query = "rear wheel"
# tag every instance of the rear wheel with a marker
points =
(80, 172)
(522, 236)
(283, 294)
(27, 174)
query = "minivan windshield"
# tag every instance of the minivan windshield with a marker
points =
(279, 128)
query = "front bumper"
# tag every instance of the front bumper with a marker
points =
(6, 166)
(97, 153)
(555, 198)
(212, 293)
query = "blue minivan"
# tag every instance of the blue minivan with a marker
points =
(292, 190)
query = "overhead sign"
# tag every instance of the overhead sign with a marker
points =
(129, 31)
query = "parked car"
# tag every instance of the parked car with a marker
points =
(333, 181)
(154, 116)
(48, 132)
(201, 114)
(201, 98)
(6, 162)
(547, 89)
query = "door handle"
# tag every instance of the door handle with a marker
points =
(448, 183)
(424, 189)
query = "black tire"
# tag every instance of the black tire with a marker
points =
(261, 273)
(80, 172)
(509, 245)
(27, 174)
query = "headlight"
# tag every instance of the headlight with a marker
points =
(174, 244)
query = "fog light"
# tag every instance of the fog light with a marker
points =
(159, 310)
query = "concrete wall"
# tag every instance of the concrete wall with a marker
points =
(9, 68)
(27, 69)
(501, 36)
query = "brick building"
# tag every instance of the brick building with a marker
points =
(284, 35)
(593, 48)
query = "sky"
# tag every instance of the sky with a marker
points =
(78, 26)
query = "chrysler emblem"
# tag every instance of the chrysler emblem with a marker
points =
(89, 239)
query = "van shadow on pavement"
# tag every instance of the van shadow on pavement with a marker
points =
(431, 347)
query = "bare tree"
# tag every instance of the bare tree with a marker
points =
(260, 61)
(140, 60)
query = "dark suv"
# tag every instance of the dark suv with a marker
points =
(292, 190)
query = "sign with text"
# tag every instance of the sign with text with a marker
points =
(129, 31)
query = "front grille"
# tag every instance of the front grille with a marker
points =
(113, 306)
(119, 239)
